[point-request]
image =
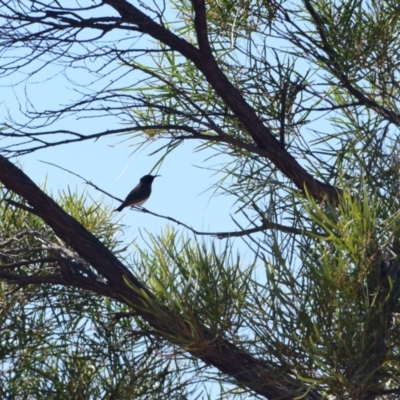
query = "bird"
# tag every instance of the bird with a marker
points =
(140, 193)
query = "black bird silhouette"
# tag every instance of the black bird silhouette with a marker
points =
(140, 193)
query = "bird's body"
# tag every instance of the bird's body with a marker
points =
(140, 193)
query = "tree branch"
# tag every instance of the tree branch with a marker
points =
(28, 262)
(200, 22)
(261, 135)
(337, 69)
(266, 225)
(21, 206)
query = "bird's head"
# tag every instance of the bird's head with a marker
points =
(148, 179)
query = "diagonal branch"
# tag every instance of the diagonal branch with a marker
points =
(266, 225)
(84, 180)
(200, 22)
(261, 134)
(336, 68)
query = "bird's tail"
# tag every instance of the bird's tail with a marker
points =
(120, 208)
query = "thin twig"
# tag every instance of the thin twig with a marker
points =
(28, 262)
(85, 180)
(149, 333)
(220, 235)
(22, 206)
(283, 113)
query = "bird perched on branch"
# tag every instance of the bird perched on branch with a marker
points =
(140, 193)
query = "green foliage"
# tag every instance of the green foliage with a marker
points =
(204, 286)
(319, 297)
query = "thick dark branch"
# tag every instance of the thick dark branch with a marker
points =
(261, 135)
(200, 22)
